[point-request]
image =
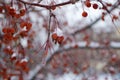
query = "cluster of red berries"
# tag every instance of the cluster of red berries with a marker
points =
(88, 4)
(11, 11)
(27, 27)
(8, 30)
(22, 65)
(8, 34)
(57, 39)
(26, 24)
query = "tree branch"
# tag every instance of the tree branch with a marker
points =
(47, 6)
(112, 45)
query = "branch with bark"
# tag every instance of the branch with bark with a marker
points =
(48, 6)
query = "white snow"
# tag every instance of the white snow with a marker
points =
(24, 42)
